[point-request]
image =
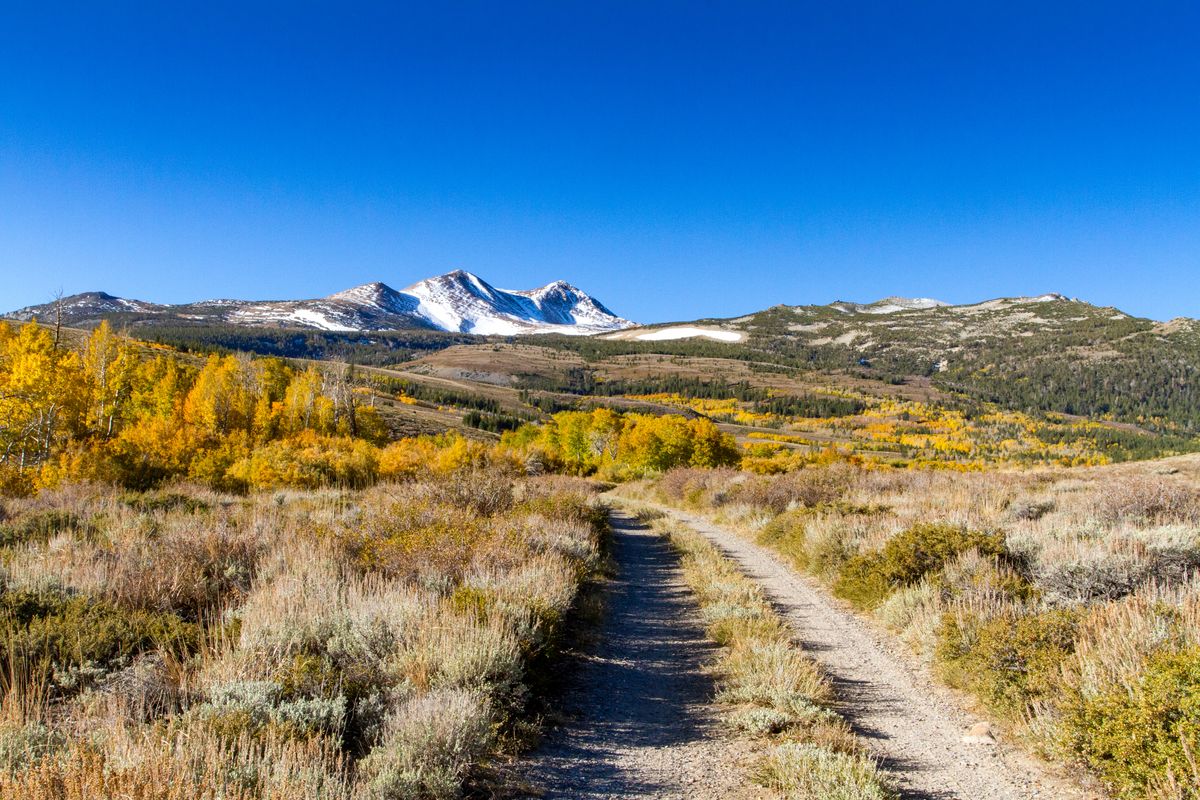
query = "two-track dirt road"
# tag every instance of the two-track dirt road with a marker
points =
(645, 725)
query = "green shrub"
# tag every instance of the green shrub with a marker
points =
(359, 688)
(786, 534)
(1134, 736)
(820, 550)
(868, 578)
(564, 507)
(828, 551)
(429, 747)
(974, 577)
(470, 601)
(151, 502)
(23, 744)
(80, 636)
(41, 527)
(260, 708)
(1010, 660)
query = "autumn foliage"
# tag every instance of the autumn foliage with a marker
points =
(626, 445)
(112, 412)
(128, 413)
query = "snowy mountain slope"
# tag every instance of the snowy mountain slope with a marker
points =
(457, 301)
(89, 303)
(460, 301)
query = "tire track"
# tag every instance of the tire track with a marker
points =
(642, 721)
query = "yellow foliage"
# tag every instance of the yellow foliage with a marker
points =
(411, 458)
(307, 460)
(619, 445)
(108, 414)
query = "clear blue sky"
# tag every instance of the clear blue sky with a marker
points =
(676, 159)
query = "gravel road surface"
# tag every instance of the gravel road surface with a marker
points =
(640, 718)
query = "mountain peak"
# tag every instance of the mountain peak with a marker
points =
(467, 281)
(462, 301)
(374, 295)
(560, 289)
(372, 289)
(458, 276)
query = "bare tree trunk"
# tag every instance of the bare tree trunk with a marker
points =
(58, 314)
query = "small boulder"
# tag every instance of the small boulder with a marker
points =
(979, 733)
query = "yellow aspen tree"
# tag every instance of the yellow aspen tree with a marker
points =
(42, 396)
(110, 366)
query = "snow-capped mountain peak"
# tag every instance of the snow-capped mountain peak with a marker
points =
(458, 301)
(461, 301)
(376, 295)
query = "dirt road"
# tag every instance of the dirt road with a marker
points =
(641, 720)
(915, 726)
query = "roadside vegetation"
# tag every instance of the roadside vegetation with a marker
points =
(770, 689)
(1067, 603)
(380, 643)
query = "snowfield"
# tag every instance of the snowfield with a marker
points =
(690, 332)
(318, 320)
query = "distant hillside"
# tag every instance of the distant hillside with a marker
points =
(1046, 353)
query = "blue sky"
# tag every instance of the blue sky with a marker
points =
(676, 159)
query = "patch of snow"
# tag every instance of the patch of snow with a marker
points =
(318, 320)
(460, 301)
(690, 332)
(1006, 302)
(891, 305)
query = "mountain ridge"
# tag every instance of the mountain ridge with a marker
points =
(457, 301)
(1043, 353)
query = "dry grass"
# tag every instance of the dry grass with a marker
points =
(808, 772)
(183, 765)
(368, 644)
